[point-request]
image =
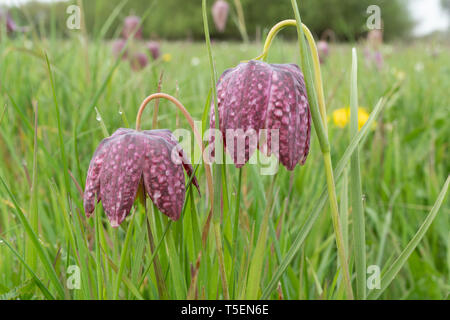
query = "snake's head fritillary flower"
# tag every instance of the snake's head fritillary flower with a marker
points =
(220, 11)
(138, 61)
(132, 24)
(117, 47)
(154, 48)
(323, 50)
(128, 158)
(256, 96)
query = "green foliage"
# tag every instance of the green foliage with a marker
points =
(182, 19)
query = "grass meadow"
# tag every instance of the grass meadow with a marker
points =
(51, 123)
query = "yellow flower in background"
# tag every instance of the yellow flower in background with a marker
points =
(341, 117)
(166, 57)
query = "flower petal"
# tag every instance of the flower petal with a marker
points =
(243, 95)
(170, 138)
(288, 111)
(121, 174)
(92, 189)
(163, 179)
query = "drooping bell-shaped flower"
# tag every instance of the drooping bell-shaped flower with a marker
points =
(7, 20)
(128, 158)
(138, 61)
(153, 47)
(256, 96)
(117, 47)
(130, 25)
(323, 50)
(220, 11)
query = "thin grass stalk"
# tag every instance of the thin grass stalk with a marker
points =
(241, 20)
(33, 211)
(325, 147)
(359, 233)
(98, 264)
(216, 213)
(123, 257)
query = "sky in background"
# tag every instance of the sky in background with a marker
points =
(428, 14)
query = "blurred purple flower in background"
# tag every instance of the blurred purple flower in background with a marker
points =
(255, 96)
(323, 50)
(372, 51)
(153, 47)
(117, 47)
(130, 158)
(138, 61)
(132, 24)
(220, 11)
(7, 20)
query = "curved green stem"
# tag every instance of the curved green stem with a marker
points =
(319, 119)
(312, 44)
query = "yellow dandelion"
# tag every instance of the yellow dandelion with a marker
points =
(166, 57)
(341, 117)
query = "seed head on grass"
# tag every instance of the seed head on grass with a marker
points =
(128, 158)
(255, 96)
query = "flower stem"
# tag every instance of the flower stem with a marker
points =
(319, 119)
(317, 73)
(123, 257)
(188, 117)
(336, 223)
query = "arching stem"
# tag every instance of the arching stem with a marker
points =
(197, 136)
(312, 44)
(318, 112)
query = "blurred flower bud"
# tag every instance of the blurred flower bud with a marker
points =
(220, 11)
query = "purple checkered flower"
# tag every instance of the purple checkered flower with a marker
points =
(129, 158)
(256, 96)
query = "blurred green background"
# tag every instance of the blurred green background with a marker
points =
(182, 19)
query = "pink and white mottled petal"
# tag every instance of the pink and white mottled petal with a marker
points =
(242, 107)
(163, 179)
(288, 112)
(92, 188)
(170, 138)
(121, 174)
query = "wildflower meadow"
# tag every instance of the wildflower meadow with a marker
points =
(249, 157)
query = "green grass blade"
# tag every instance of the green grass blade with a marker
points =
(395, 267)
(38, 282)
(318, 207)
(359, 233)
(34, 239)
